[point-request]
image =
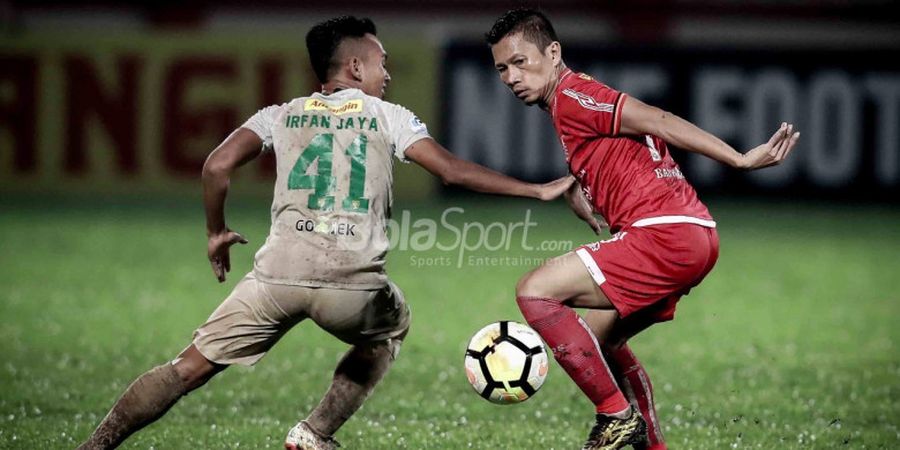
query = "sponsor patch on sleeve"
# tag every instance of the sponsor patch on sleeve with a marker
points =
(417, 125)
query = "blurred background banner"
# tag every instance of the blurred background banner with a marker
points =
(143, 110)
(846, 104)
(115, 96)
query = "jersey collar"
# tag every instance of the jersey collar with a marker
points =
(342, 92)
(563, 76)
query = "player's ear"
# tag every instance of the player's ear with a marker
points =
(356, 68)
(554, 51)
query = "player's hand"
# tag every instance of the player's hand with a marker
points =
(217, 251)
(555, 188)
(582, 207)
(773, 152)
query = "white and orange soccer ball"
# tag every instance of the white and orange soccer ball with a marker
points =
(506, 362)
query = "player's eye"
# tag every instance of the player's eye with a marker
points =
(519, 61)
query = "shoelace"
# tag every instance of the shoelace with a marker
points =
(598, 432)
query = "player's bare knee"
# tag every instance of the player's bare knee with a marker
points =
(365, 363)
(194, 369)
(533, 284)
(400, 337)
(526, 285)
(192, 377)
(386, 348)
(394, 345)
(390, 347)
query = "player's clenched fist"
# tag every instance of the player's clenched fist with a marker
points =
(217, 251)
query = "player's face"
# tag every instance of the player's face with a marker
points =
(375, 74)
(526, 70)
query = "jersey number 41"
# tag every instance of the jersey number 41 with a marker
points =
(322, 148)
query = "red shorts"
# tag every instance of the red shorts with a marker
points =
(649, 268)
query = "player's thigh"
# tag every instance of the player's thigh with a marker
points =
(247, 324)
(360, 317)
(564, 278)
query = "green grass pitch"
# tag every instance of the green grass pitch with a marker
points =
(792, 342)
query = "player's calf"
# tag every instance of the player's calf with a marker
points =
(356, 376)
(146, 400)
(540, 295)
(150, 396)
(576, 350)
(635, 383)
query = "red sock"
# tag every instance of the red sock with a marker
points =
(635, 382)
(576, 350)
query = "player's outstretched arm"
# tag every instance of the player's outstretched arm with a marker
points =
(455, 171)
(237, 149)
(640, 118)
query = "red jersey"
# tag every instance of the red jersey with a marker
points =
(629, 180)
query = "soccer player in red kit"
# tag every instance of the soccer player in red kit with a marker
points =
(664, 239)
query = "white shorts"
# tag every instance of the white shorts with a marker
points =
(257, 314)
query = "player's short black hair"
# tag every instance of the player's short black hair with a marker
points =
(324, 38)
(533, 24)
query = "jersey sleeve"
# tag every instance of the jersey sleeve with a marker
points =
(262, 123)
(592, 107)
(405, 130)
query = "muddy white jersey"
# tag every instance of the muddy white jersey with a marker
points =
(332, 197)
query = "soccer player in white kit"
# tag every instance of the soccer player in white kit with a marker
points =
(325, 253)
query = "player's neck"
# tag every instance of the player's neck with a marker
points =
(338, 84)
(547, 98)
